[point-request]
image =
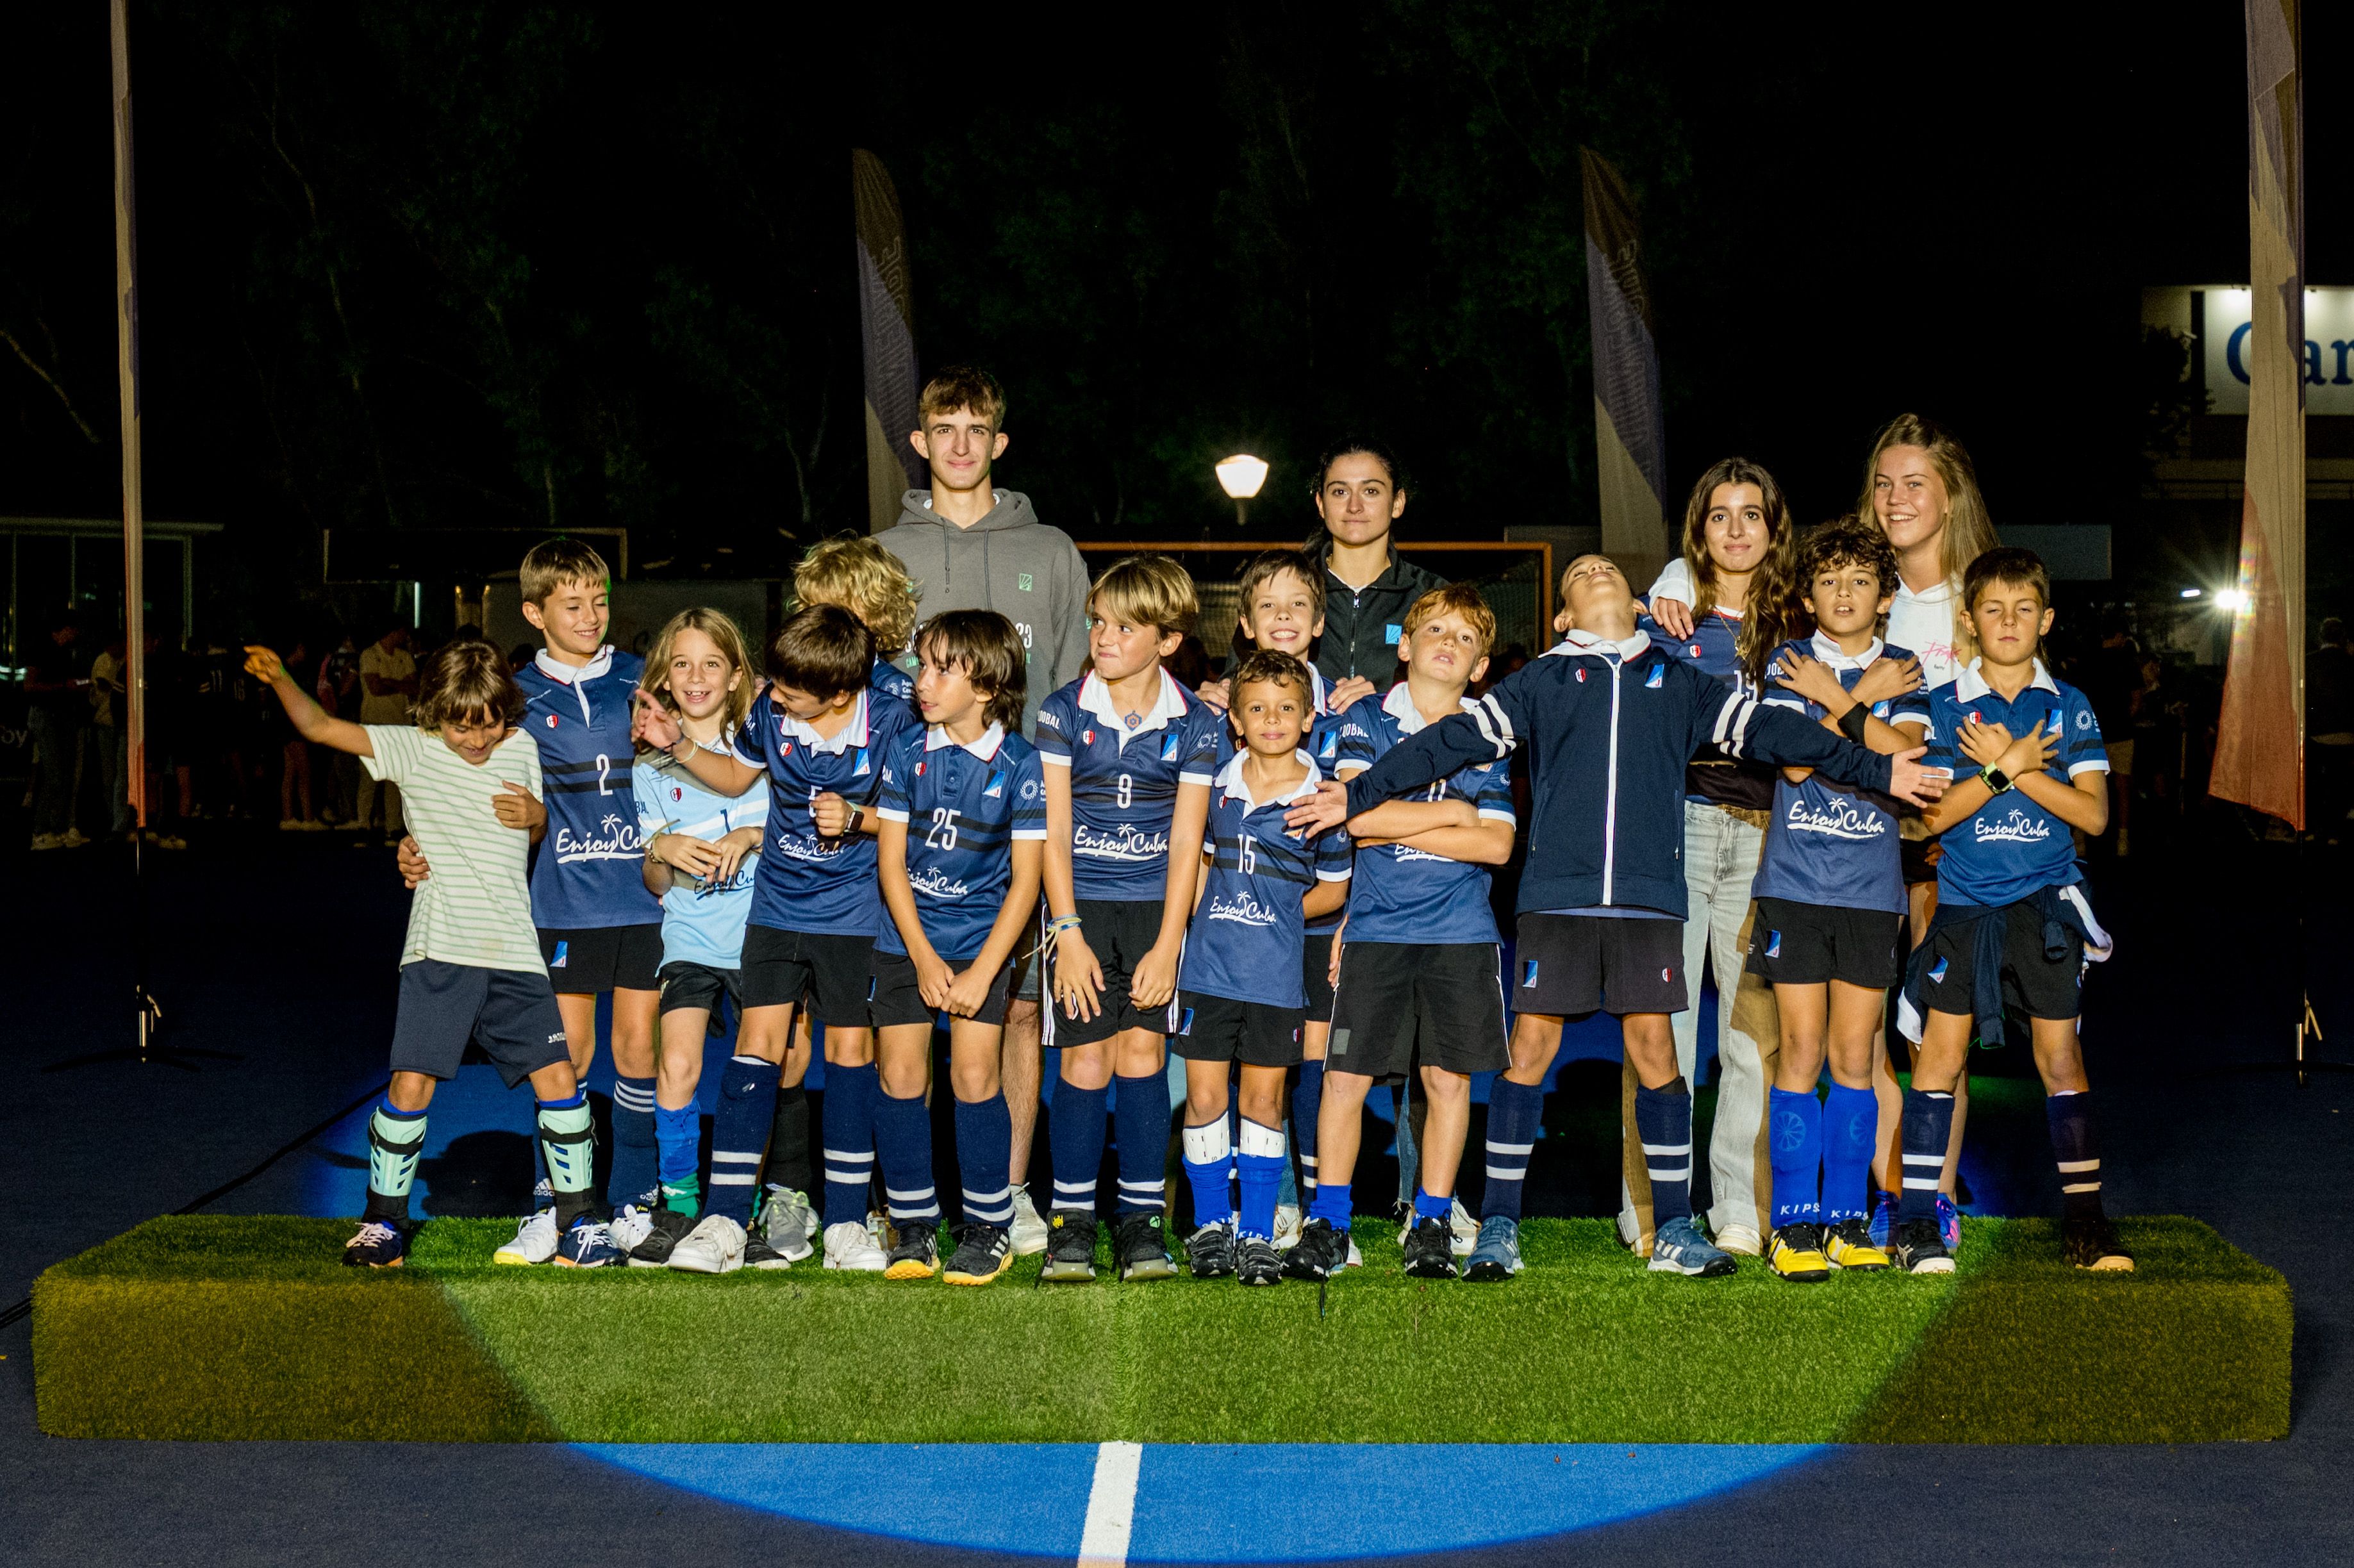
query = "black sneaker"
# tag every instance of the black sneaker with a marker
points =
(1919, 1249)
(916, 1251)
(670, 1229)
(1070, 1248)
(1428, 1254)
(2093, 1243)
(983, 1252)
(759, 1254)
(1141, 1243)
(1256, 1262)
(1320, 1253)
(376, 1245)
(1210, 1251)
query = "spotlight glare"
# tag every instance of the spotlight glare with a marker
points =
(2232, 600)
(2192, 593)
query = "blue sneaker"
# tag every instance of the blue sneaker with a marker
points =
(1680, 1248)
(1949, 1224)
(1883, 1219)
(1496, 1254)
(588, 1244)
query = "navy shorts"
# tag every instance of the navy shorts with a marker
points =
(1400, 1004)
(893, 997)
(598, 959)
(1120, 934)
(1222, 1029)
(785, 968)
(1568, 965)
(686, 984)
(2033, 982)
(510, 1013)
(1792, 943)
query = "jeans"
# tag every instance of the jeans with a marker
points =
(110, 745)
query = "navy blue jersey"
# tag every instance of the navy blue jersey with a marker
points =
(1124, 781)
(964, 807)
(1828, 843)
(592, 869)
(1323, 743)
(892, 681)
(1713, 649)
(2010, 846)
(1247, 933)
(818, 886)
(1402, 895)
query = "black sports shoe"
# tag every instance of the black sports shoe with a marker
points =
(759, 1254)
(1427, 1253)
(1210, 1251)
(670, 1229)
(1256, 1262)
(983, 1252)
(1141, 1243)
(377, 1244)
(1919, 1249)
(2093, 1243)
(1320, 1253)
(915, 1251)
(1070, 1248)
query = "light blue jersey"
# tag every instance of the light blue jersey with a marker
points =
(701, 923)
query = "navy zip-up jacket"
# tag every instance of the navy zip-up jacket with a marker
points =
(1611, 725)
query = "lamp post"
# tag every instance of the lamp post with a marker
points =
(1241, 476)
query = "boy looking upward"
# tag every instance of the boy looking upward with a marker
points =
(2012, 920)
(1419, 955)
(1129, 757)
(1611, 722)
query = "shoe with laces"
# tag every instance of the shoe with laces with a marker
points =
(1919, 1249)
(1795, 1253)
(1141, 1243)
(2093, 1243)
(1256, 1262)
(982, 1253)
(1949, 1224)
(850, 1245)
(1884, 1220)
(1070, 1248)
(788, 1223)
(759, 1254)
(376, 1245)
(1287, 1226)
(1742, 1241)
(631, 1225)
(1848, 1245)
(1322, 1252)
(1210, 1251)
(1678, 1247)
(716, 1245)
(1028, 1232)
(535, 1240)
(587, 1244)
(917, 1253)
(669, 1227)
(1462, 1229)
(1430, 1249)
(1496, 1254)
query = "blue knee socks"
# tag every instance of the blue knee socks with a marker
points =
(1209, 1166)
(1261, 1161)
(984, 1135)
(1850, 1137)
(903, 1146)
(1796, 1124)
(678, 1134)
(1663, 1124)
(848, 1129)
(1074, 1126)
(2076, 1151)
(739, 1135)
(1515, 1112)
(1928, 1126)
(1141, 1126)
(635, 1139)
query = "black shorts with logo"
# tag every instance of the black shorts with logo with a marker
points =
(1222, 1029)
(686, 984)
(1120, 934)
(1400, 1004)
(596, 959)
(785, 968)
(1568, 965)
(510, 1013)
(1792, 943)
(2033, 984)
(893, 997)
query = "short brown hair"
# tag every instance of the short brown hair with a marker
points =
(1454, 598)
(824, 650)
(2006, 563)
(463, 681)
(965, 386)
(855, 572)
(552, 563)
(1147, 590)
(1268, 565)
(1850, 542)
(991, 651)
(725, 636)
(1264, 666)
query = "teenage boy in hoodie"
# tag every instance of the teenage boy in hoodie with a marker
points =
(1612, 722)
(971, 545)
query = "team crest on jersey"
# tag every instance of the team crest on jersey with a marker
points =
(1658, 678)
(784, 749)
(1030, 788)
(996, 790)
(1331, 748)
(1879, 710)
(919, 771)
(551, 721)
(1169, 749)
(1086, 738)
(676, 793)
(1581, 676)
(860, 771)
(1695, 648)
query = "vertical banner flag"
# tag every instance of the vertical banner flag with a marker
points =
(2260, 737)
(887, 322)
(1628, 444)
(135, 508)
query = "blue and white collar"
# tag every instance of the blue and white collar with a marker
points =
(1231, 787)
(1827, 652)
(1095, 697)
(1574, 642)
(841, 740)
(1970, 685)
(555, 669)
(936, 738)
(1399, 706)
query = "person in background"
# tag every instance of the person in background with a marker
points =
(109, 738)
(388, 685)
(1360, 494)
(54, 688)
(294, 752)
(337, 692)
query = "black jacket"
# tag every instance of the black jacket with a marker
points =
(1362, 628)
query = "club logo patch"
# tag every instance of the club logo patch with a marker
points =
(1773, 944)
(1938, 972)
(1658, 678)
(1169, 749)
(1581, 677)
(2085, 719)
(563, 956)
(920, 770)
(1185, 1025)
(1528, 975)
(1030, 788)
(996, 790)
(1879, 710)
(551, 721)
(1022, 581)
(1086, 738)
(860, 771)
(1695, 650)
(1667, 975)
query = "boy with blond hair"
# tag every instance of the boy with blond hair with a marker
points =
(858, 573)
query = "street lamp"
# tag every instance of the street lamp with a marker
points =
(1241, 476)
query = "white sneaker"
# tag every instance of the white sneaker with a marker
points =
(716, 1245)
(1462, 1230)
(1356, 1259)
(631, 1226)
(1287, 1226)
(1742, 1240)
(849, 1245)
(1028, 1232)
(48, 842)
(74, 838)
(535, 1240)
(787, 1222)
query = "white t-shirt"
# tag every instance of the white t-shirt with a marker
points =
(476, 909)
(1920, 624)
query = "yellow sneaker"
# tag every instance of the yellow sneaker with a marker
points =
(1848, 1244)
(1795, 1252)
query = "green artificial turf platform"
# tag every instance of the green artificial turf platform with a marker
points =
(213, 1328)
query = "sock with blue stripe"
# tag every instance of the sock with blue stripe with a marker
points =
(1307, 1104)
(1797, 1121)
(635, 1140)
(984, 1135)
(1331, 1204)
(739, 1133)
(1209, 1161)
(678, 1135)
(1261, 1161)
(848, 1128)
(1663, 1125)
(2077, 1152)
(1074, 1126)
(1139, 1124)
(1440, 1206)
(396, 1138)
(570, 1144)
(1850, 1136)
(903, 1146)
(1928, 1127)
(1515, 1112)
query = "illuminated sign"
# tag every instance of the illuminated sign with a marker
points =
(2328, 350)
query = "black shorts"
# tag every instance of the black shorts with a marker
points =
(1120, 934)
(1806, 944)
(1565, 964)
(1221, 1029)
(598, 959)
(893, 996)
(699, 986)
(511, 1013)
(1919, 857)
(1316, 975)
(1027, 970)
(2032, 984)
(787, 968)
(1441, 1005)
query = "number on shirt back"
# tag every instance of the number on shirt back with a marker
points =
(943, 832)
(1127, 790)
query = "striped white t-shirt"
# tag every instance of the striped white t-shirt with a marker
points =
(476, 909)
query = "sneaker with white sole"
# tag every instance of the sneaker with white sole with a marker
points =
(1287, 1226)
(535, 1240)
(1497, 1257)
(789, 1222)
(588, 1244)
(1462, 1229)
(1678, 1247)
(850, 1245)
(716, 1245)
(375, 1245)
(632, 1226)
(1028, 1232)
(1742, 1241)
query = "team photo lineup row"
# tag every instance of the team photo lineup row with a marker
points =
(1280, 877)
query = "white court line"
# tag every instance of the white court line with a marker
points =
(1111, 1506)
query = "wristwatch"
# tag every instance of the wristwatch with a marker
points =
(1997, 780)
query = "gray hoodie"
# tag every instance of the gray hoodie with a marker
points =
(1009, 562)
